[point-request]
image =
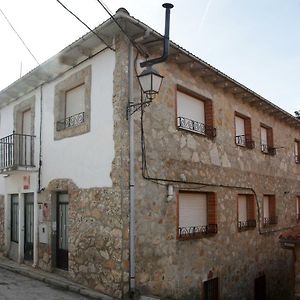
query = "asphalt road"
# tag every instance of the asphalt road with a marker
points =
(14, 286)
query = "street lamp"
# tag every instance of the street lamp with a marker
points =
(150, 81)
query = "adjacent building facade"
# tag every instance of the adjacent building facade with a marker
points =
(216, 174)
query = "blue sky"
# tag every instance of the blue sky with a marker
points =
(254, 41)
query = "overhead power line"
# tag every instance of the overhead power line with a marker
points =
(118, 24)
(9, 23)
(90, 29)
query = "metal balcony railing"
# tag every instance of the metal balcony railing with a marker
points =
(272, 220)
(268, 149)
(196, 231)
(245, 225)
(16, 150)
(197, 127)
(245, 140)
(297, 159)
(70, 122)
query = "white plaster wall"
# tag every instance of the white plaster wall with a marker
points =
(87, 158)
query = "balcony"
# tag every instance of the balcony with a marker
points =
(270, 220)
(268, 149)
(16, 152)
(196, 127)
(245, 225)
(195, 232)
(245, 141)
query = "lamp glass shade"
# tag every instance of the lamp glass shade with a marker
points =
(150, 82)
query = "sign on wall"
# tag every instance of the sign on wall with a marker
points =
(26, 182)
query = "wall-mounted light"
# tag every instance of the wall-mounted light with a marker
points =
(150, 81)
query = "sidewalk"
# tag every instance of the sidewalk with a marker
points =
(51, 279)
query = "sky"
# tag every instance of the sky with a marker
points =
(256, 42)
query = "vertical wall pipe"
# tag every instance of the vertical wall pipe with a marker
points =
(131, 175)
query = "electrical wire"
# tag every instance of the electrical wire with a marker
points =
(90, 29)
(12, 27)
(126, 34)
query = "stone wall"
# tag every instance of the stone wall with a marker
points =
(167, 267)
(2, 237)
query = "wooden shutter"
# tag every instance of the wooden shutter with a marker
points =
(208, 106)
(75, 101)
(266, 212)
(248, 130)
(250, 207)
(270, 137)
(242, 208)
(272, 206)
(211, 208)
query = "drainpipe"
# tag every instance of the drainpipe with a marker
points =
(132, 230)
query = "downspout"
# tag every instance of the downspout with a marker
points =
(132, 230)
(40, 141)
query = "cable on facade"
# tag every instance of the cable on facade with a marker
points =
(90, 29)
(165, 181)
(10, 24)
(126, 34)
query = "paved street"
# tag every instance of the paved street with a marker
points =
(14, 286)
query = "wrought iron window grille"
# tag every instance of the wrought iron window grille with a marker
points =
(270, 220)
(194, 232)
(245, 140)
(16, 150)
(268, 149)
(197, 127)
(245, 225)
(71, 122)
(297, 159)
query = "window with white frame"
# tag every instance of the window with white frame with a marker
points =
(243, 134)
(266, 140)
(197, 214)
(269, 210)
(246, 212)
(194, 113)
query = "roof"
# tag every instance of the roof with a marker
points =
(148, 39)
(292, 235)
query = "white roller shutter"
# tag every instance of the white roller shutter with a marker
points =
(75, 101)
(192, 209)
(190, 107)
(266, 207)
(242, 208)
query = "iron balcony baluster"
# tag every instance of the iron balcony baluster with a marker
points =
(197, 231)
(272, 220)
(245, 140)
(197, 127)
(71, 122)
(245, 225)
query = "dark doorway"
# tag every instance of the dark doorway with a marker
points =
(260, 288)
(62, 231)
(28, 222)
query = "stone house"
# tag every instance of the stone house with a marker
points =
(216, 173)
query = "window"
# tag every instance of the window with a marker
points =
(269, 210)
(211, 289)
(297, 151)
(266, 140)
(196, 215)
(72, 105)
(15, 218)
(298, 208)
(246, 212)
(194, 113)
(243, 134)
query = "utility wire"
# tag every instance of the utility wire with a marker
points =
(9, 23)
(90, 29)
(126, 34)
